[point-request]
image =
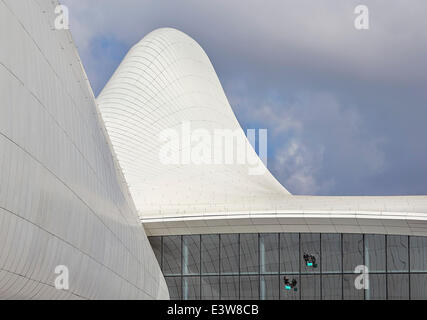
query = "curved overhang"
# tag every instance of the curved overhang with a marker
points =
(167, 81)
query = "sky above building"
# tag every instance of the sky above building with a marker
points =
(345, 109)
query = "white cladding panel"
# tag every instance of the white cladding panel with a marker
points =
(62, 197)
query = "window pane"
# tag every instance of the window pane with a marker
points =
(269, 252)
(419, 286)
(290, 294)
(172, 255)
(229, 287)
(270, 287)
(191, 288)
(191, 254)
(310, 244)
(397, 253)
(210, 288)
(352, 251)
(289, 253)
(418, 254)
(310, 287)
(331, 253)
(229, 253)
(377, 287)
(174, 286)
(156, 244)
(375, 252)
(210, 254)
(249, 288)
(332, 287)
(350, 292)
(398, 286)
(249, 262)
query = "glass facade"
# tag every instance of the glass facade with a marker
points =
(253, 266)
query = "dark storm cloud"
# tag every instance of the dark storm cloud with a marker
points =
(346, 109)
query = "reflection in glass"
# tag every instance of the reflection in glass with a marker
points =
(270, 286)
(191, 254)
(229, 287)
(398, 286)
(331, 252)
(332, 287)
(310, 244)
(349, 289)
(310, 287)
(269, 252)
(419, 286)
(418, 254)
(210, 288)
(210, 253)
(375, 252)
(229, 253)
(377, 287)
(174, 286)
(352, 251)
(289, 253)
(172, 255)
(191, 288)
(249, 287)
(249, 262)
(156, 244)
(397, 253)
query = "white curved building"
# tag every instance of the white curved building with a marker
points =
(62, 197)
(221, 223)
(166, 82)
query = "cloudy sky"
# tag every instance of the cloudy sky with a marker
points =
(346, 109)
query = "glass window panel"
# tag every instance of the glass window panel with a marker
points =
(269, 252)
(249, 259)
(210, 288)
(375, 252)
(172, 255)
(397, 253)
(349, 289)
(310, 244)
(156, 244)
(270, 286)
(377, 287)
(310, 287)
(332, 286)
(331, 253)
(290, 294)
(352, 251)
(289, 253)
(191, 254)
(229, 287)
(191, 288)
(418, 254)
(419, 286)
(249, 287)
(398, 286)
(210, 254)
(174, 286)
(229, 253)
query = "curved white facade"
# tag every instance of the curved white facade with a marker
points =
(167, 80)
(62, 197)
